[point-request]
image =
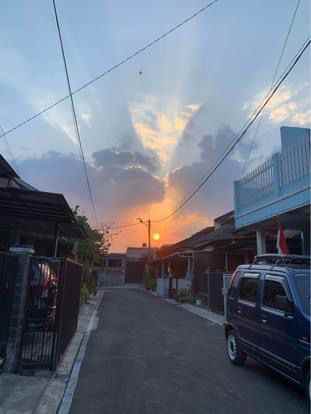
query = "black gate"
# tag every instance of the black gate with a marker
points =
(209, 287)
(52, 309)
(39, 341)
(7, 284)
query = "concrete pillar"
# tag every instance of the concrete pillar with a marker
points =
(261, 242)
(20, 271)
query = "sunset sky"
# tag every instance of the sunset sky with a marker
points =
(155, 126)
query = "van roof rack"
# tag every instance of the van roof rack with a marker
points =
(282, 260)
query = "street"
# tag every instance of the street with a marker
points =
(149, 356)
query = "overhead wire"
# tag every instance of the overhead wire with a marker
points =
(231, 146)
(276, 70)
(75, 119)
(113, 67)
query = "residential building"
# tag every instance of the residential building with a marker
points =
(277, 195)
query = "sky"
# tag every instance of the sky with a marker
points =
(152, 128)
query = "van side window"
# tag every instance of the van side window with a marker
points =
(274, 294)
(248, 289)
(233, 284)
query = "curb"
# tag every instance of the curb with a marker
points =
(200, 312)
(53, 396)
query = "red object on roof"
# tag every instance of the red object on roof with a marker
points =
(281, 241)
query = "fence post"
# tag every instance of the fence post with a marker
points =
(16, 323)
(276, 173)
(225, 289)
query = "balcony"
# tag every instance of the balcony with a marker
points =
(280, 184)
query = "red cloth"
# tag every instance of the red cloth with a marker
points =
(281, 241)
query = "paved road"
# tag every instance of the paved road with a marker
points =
(151, 357)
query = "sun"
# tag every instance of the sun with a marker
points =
(156, 236)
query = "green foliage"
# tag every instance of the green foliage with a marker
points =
(184, 296)
(150, 281)
(84, 294)
(95, 246)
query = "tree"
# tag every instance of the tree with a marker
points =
(92, 249)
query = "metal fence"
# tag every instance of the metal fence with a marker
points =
(52, 307)
(7, 284)
(209, 286)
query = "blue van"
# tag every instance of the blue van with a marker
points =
(268, 315)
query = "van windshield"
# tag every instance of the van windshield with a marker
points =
(302, 281)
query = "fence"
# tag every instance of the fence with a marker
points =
(209, 286)
(283, 173)
(51, 314)
(7, 284)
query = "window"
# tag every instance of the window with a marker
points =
(233, 284)
(274, 295)
(302, 281)
(248, 289)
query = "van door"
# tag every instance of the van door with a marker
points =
(277, 319)
(246, 316)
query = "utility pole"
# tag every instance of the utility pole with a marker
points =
(148, 223)
(149, 235)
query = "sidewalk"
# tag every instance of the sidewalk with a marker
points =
(42, 393)
(195, 309)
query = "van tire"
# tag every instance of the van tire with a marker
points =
(235, 355)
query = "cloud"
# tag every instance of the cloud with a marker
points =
(112, 157)
(117, 188)
(160, 128)
(217, 196)
(288, 105)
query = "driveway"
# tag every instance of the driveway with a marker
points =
(151, 357)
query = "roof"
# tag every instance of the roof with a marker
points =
(138, 252)
(6, 170)
(38, 206)
(116, 255)
(186, 244)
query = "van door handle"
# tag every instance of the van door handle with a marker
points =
(264, 320)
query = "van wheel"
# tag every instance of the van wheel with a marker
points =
(235, 355)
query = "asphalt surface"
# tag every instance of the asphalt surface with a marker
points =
(151, 357)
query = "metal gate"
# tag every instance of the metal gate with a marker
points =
(39, 340)
(52, 310)
(7, 284)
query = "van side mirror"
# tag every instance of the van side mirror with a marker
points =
(284, 304)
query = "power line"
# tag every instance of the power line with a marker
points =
(256, 113)
(276, 70)
(75, 120)
(113, 67)
(235, 141)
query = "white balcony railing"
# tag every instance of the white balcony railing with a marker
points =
(285, 173)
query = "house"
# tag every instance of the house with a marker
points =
(40, 293)
(200, 261)
(113, 273)
(32, 217)
(136, 259)
(276, 195)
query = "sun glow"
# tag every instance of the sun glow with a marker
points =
(156, 236)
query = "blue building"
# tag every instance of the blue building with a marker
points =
(278, 192)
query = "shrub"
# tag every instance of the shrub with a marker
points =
(184, 296)
(150, 281)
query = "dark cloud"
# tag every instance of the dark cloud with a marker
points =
(116, 187)
(217, 196)
(112, 157)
